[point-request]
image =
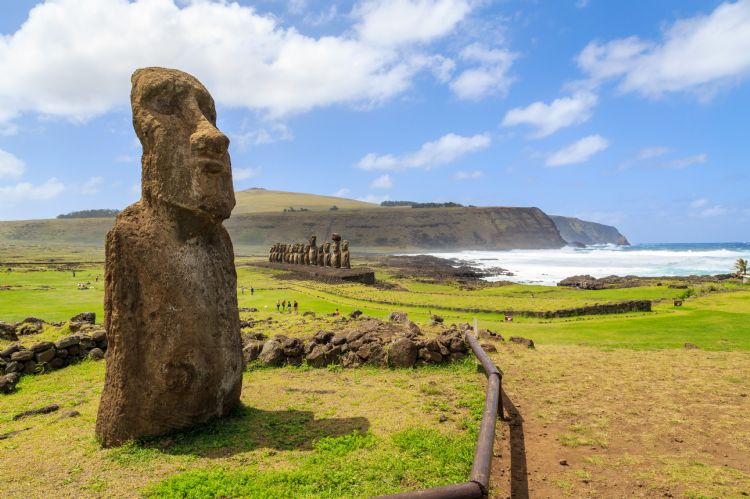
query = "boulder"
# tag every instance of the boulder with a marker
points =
(354, 314)
(68, 341)
(10, 350)
(293, 347)
(488, 347)
(84, 317)
(252, 350)
(402, 353)
(57, 363)
(14, 367)
(100, 338)
(430, 357)
(318, 357)
(29, 367)
(8, 332)
(96, 354)
(412, 328)
(8, 382)
(691, 346)
(398, 317)
(351, 360)
(22, 356)
(272, 354)
(323, 337)
(45, 355)
(522, 341)
(40, 347)
(33, 412)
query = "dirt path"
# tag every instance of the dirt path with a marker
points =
(589, 423)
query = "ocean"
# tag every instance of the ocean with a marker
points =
(547, 267)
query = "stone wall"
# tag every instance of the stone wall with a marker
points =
(90, 341)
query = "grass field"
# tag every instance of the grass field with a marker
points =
(617, 398)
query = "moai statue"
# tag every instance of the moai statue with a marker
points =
(327, 253)
(321, 255)
(170, 298)
(297, 254)
(336, 257)
(288, 254)
(306, 255)
(345, 261)
(270, 254)
(313, 251)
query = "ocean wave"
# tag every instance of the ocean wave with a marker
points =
(550, 266)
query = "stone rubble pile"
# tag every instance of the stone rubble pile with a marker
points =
(397, 343)
(90, 341)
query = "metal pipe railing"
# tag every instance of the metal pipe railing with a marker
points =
(479, 484)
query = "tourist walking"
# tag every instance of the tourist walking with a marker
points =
(278, 304)
(252, 291)
(289, 307)
(296, 307)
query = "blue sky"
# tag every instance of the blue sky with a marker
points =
(626, 113)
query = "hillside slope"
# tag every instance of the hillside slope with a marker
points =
(401, 229)
(575, 230)
(263, 200)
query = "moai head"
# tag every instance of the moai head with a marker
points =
(313, 240)
(327, 247)
(335, 237)
(185, 159)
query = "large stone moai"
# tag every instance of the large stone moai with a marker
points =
(313, 251)
(336, 256)
(345, 259)
(321, 255)
(170, 301)
(327, 253)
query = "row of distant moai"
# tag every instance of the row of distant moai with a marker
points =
(334, 254)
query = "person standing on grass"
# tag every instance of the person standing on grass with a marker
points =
(242, 290)
(289, 307)
(252, 291)
(296, 307)
(278, 304)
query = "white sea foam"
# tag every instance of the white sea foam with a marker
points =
(550, 266)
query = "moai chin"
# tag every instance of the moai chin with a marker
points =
(170, 301)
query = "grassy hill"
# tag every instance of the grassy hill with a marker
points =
(263, 201)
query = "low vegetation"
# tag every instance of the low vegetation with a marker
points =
(607, 405)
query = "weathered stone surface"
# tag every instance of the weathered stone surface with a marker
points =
(22, 356)
(523, 341)
(399, 317)
(272, 353)
(402, 353)
(8, 382)
(8, 332)
(84, 317)
(174, 350)
(251, 350)
(96, 354)
(14, 367)
(27, 328)
(40, 347)
(58, 363)
(33, 412)
(45, 356)
(10, 350)
(29, 367)
(68, 341)
(488, 347)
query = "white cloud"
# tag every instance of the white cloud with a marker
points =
(382, 182)
(490, 77)
(682, 163)
(651, 152)
(446, 149)
(73, 58)
(10, 166)
(244, 173)
(374, 198)
(579, 151)
(24, 192)
(395, 22)
(91, 186)
(549, 118)
(267, 134)
(472, 175)
(342, 193)
(699, 203)
(697, 54)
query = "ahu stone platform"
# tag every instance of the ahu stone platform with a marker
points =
(325, 274)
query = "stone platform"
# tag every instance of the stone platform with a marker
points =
(362, 274)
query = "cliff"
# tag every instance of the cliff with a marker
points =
(574, 230)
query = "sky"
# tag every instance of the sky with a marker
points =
(627, 113)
